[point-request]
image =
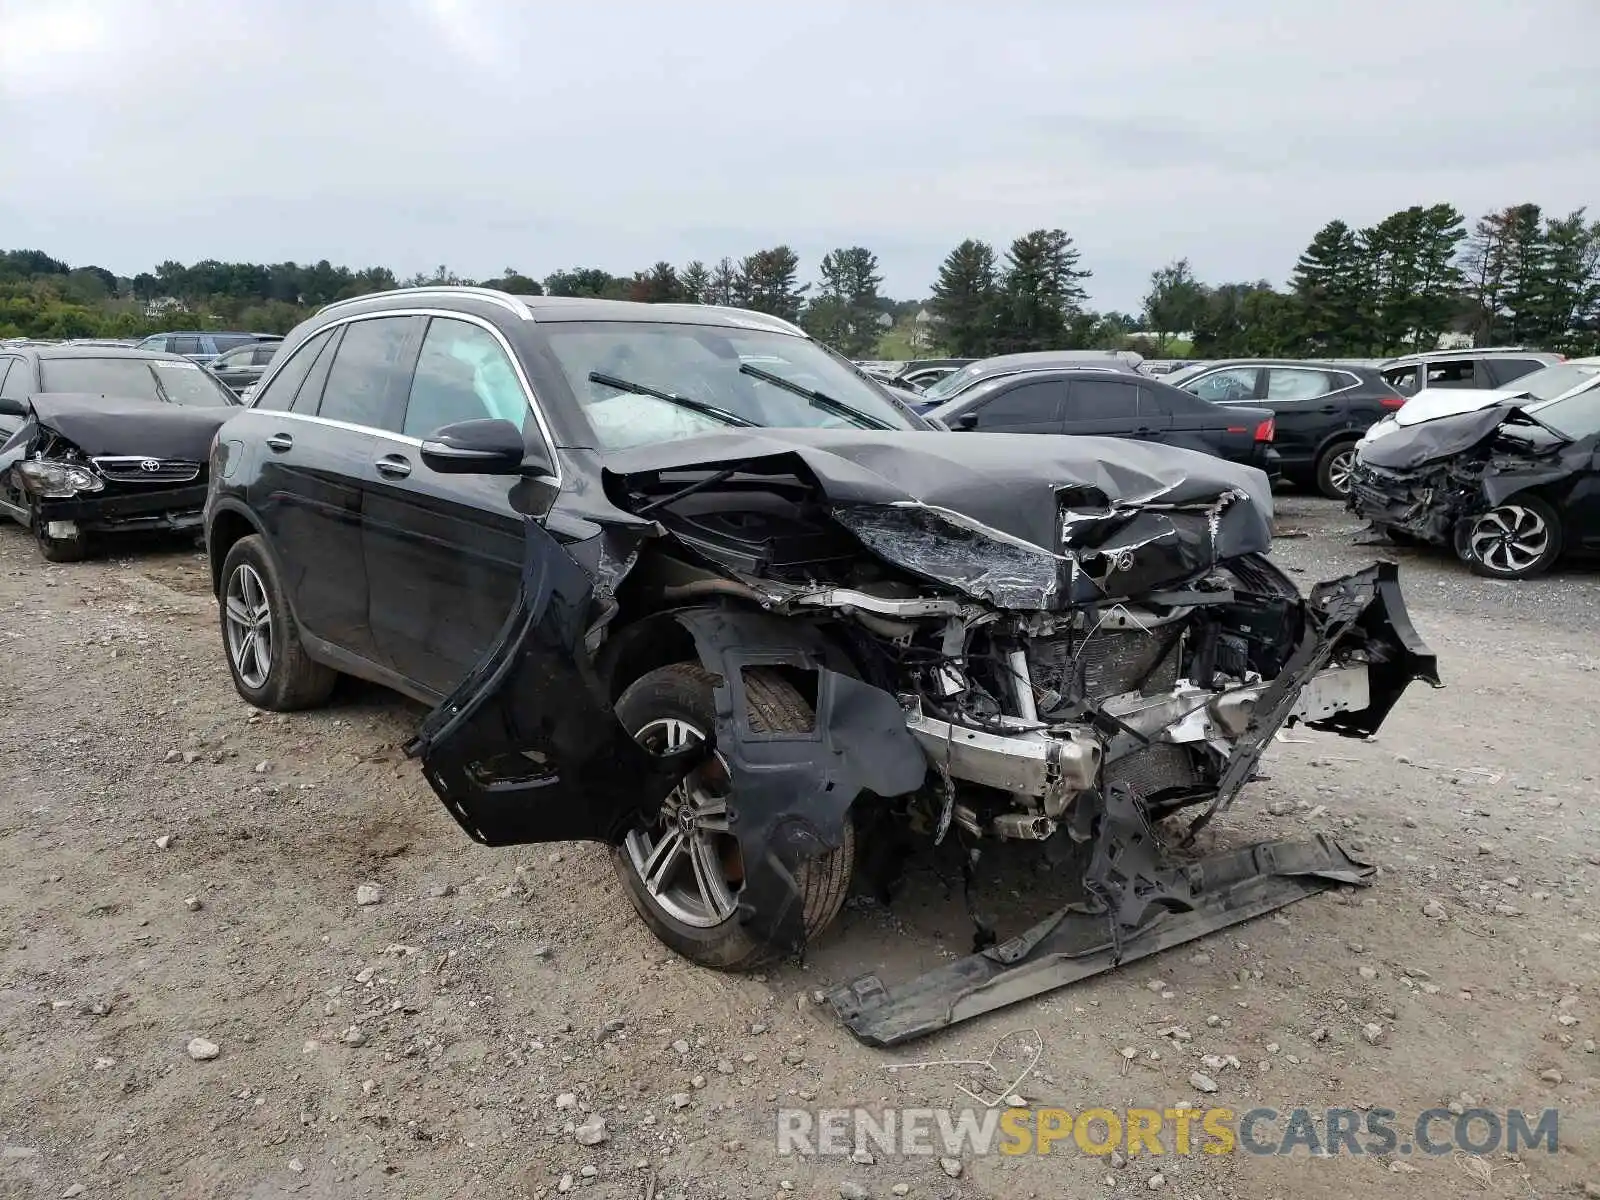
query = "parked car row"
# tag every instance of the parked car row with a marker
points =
(594, 534)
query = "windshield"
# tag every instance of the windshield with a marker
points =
(171, 380)
(702, 364)
(1555, 381)
(1576, 416)
(952, 383)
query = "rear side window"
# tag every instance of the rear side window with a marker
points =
(264, 353)
(1402, 379)
(226, 342)
(16, 383)
(279, 394)
(185, 345)
(366, 367)
(1293, 383)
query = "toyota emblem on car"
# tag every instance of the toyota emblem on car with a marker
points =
(150, 464)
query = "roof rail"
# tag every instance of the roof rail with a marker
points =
(505, 300)
(753, 312)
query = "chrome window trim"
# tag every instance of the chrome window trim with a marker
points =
(1355, 381)
(448, 314)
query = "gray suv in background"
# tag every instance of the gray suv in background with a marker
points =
(203, 347)
(1482, 369)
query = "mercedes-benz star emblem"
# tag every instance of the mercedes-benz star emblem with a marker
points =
(150, 464)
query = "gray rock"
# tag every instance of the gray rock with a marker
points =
(681, 1099)
(1156, 1182)
(1435, 911)
(202, 1050)
(901, 1189)
(951, 1167)
(353, 1036)
(75, 1190)
(263, 767)
(1372, 1034)
(1202, 1082)
(440, 890)
(163, 841)
(1367, 972)
(1319, 1034)
(853, 1191)
(566, 1101)
(592, 1132)
(1552, 1076)
(368, 894)
(1280, 808)
(1119, 1160)
(173, 756)
(566, 1183)
(193, 903)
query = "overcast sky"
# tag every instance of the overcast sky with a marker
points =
(541, 135)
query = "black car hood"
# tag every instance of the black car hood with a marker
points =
(1411, 446)
(114, 425)
(1025, 521)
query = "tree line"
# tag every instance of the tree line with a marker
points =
(1520, 275)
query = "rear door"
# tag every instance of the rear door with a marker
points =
(320, 443)
(1504, 371)
(444, 552)
(1018, 406)
(1197, 424)
(1306, 409)
(16, 384)
(1110, 407)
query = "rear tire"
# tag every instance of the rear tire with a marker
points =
(270, 667)
(1334, 465)
(696, 917)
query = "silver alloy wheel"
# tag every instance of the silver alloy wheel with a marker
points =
(1509, 539)
(249, 625)
(680, 856)
(1341, 469)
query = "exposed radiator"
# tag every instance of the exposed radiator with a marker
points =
(1107, 663)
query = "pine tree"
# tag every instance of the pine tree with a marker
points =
(1329, 282)
(767, 282)
(658, 285)
(845, 313)
(965, 299)
(1176, 300)
(696, 282)
(1041, 292)
(723, 287)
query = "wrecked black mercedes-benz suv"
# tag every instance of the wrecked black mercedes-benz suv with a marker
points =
(757, 608)
(101, 441)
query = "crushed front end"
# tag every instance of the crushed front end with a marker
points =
(1057, 641)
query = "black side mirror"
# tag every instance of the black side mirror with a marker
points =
(482, 447)
(967, 421)
(10, 407)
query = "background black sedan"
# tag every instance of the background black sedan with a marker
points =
(1116, 404)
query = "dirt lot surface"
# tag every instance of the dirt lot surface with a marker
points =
(174, 866)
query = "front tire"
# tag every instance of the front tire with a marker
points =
(1515, 540)
(57, 550)
(270, 667)
(1334, 467)
(683, 871)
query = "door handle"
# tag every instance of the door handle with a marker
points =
(1330, 408)
(280, 442)
(393, 466)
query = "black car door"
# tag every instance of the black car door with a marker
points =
(1308, 407)
(16, 385)
(1017, 406)
(1110, 407)
(319, 448)
(443, 552)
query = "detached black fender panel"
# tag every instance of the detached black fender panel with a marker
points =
(528, 748)
(791, 790)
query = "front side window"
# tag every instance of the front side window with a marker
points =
(1027, 404)
(1459, 374)
(463, 374)
(234, 359)
(168, 380)
(712, 366)
(1230, 386)
(365, 365)
(1291, 383)
(18, 382)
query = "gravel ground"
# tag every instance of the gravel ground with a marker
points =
(196, 1002)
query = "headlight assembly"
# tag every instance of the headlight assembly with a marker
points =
(57, 480)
